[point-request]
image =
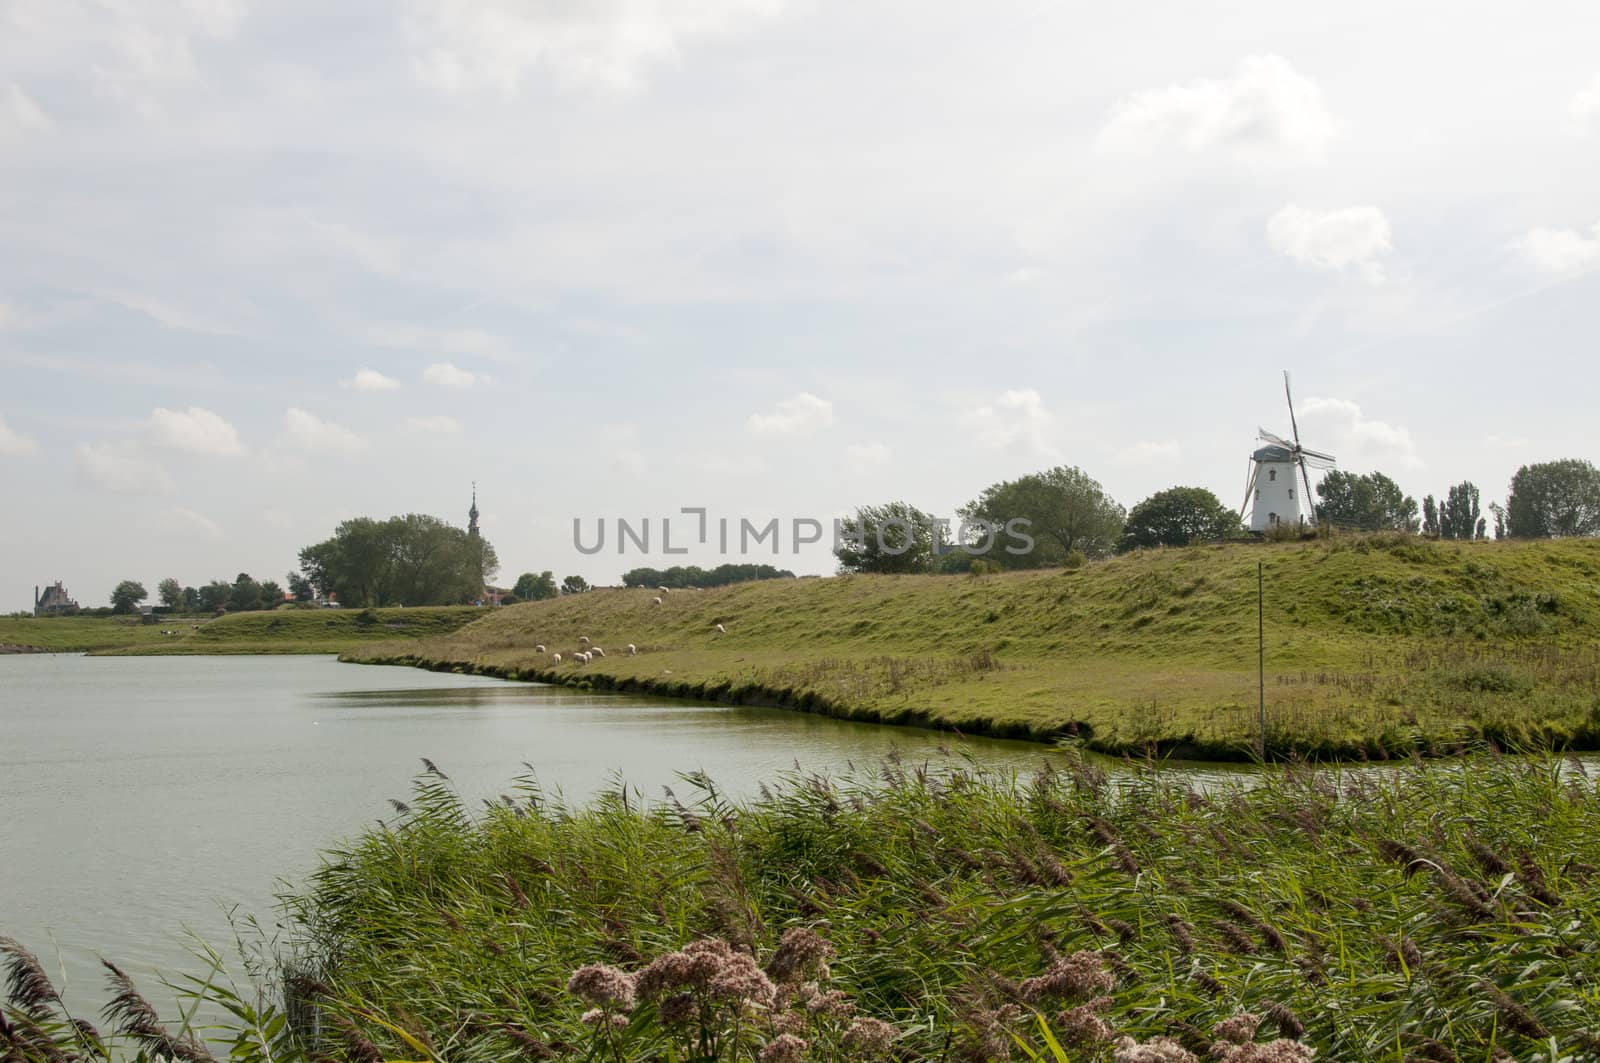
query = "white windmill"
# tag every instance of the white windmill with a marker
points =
(1273, 494)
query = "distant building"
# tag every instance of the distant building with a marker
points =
(53, 602)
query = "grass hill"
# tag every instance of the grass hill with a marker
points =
(278, 631)
(1375, 645)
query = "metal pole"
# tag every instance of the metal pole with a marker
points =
(1261, 659)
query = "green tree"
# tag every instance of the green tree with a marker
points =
(191, 599)
(574, 585)
(1555, 499)
(301, 587)
(1065, 509)
(215, 595)
(531, 588)
(1499, 512)
(1177, 517)
(1460, 516)
(1430, 516)
(171, 593)
(128, 594)
(894, 537)
(1370, 502)
(245, 594)
(412, 560)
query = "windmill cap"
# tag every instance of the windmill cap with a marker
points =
(1272, 453)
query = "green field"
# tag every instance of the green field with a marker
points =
(278, 631)
(1375, 646)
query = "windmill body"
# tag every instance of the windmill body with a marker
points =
(1278, 492)
(1276, 497)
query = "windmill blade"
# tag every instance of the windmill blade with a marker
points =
(1249, 487)
(1292, 422)
(1274, 438)
(1319, 456)
(1311, 499)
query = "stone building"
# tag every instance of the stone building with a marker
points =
(53, 602)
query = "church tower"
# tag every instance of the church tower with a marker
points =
(472, 514)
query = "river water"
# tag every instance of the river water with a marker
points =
(142, 798)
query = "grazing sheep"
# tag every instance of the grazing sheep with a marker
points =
(633, 651)
(655, 601)
(721, 630)
(555, 657)
(539, 648)
(664, 589)
(582, 658)
(583, 640)
(596, 651)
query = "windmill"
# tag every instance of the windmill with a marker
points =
(1277, 470)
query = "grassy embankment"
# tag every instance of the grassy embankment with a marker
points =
(1444, 910)
(1374, 645)
(278, 631)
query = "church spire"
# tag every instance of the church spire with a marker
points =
(472, 514)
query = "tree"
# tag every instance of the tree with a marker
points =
(245, 594)
(1554, 499)
(414, 559)
(301, 587)
(215, 595)
(127, 595)
(1177, 517)
(1430, 516)
(1499, 512)
(531, 588)
(1065, 509)
(191, 599)
(574, 585)
(170, 592)
(1460, 517)
(894, 537)
(271, 594)
(695, 576)
(1370, 502)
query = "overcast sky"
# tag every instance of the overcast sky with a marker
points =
(266, 266)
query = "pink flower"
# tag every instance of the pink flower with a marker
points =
(603, 986)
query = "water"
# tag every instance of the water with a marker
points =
(143, 796)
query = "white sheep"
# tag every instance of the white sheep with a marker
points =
(655, 601)
(582, 658)
(596, 651)
(633, 651)
(539, 648)
(583, 640)
(721, 630)
(555, 658)
(664, 589)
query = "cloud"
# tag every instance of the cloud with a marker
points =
(14, 444)
(438, 425)
(1151, 452)
(309, 432)
(19, 115)
(605, 45)
(800, 414)
(122, 468)
(1560, 250)
(1585, 106)
(194, 431)
(869, 454)
(1338, 427)
(370, 380)
(1333, 239)
(1016, 421)
(181, 521)
(1267, 111)
(474, 342)
(445, 375)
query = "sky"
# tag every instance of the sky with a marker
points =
(268, 266)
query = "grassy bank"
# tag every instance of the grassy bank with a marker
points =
(1375, 646)
(1440, 910)
(278, 631)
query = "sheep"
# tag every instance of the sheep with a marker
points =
(581, 658)
(596, 651)
(664, 589)
(655, 601)
(555, 658)
(583, 640)
(633, 651)
(539, 649)
(721, 630)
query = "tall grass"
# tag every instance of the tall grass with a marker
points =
(1440, 910)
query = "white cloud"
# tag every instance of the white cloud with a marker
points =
(370, 380)
(438, 425)
(123, 468)
(800, 414)
(1338, 427)
(14, 444)
(1151, 452)
(194, 431)
(445, 375)
(181, 521)
(311, 433)
(1267, 111)
(1016, 421)
(19, 114)
(474, 342)
(1333, 239)
(1585, 106)
(869, 454)
(1560, 250)
(609, 45)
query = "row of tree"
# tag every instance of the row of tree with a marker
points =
(680, 577)
(409, 560)
(1063, 515)
(242, 594)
